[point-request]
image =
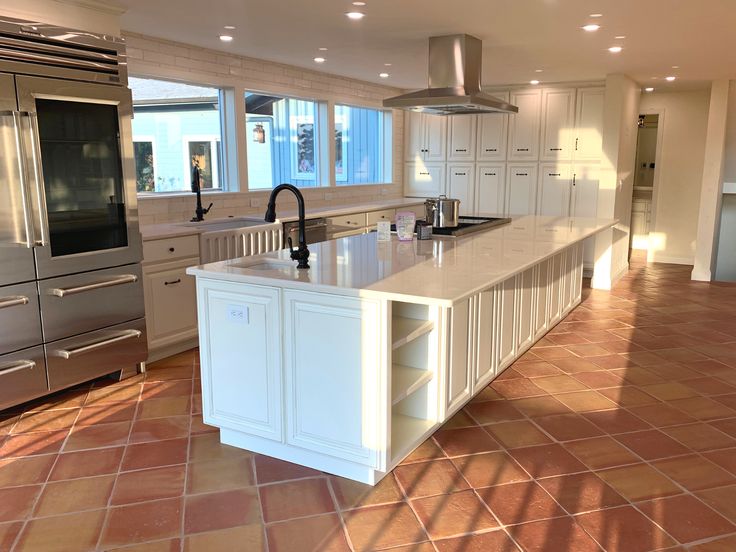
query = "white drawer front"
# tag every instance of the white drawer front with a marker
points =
(354, 220)
(375, 216)
(168, 249)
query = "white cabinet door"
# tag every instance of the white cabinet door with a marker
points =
(526, 282)
(505, 322)
(555, 184)
(492, 131)
(589, 124)
(414, 132)
(557, 267)
(524, 126)
(490, 198)
(585, 203)
(558, 116)
(461, 185)
(458, 384)
(485, 364)
(424, 179)
(521, 189)
(461, 133)
(244, 392)
(541, 318)
(335, 400)
(435, 138)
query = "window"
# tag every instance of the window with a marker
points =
(362, 145)
(175, 125)
(282, 141)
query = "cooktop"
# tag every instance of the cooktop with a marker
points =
(467, 225)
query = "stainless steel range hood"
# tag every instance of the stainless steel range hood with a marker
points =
(454, 81)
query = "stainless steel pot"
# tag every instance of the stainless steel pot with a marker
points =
(442, 212)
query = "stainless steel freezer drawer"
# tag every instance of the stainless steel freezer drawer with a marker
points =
(22, 376)
(20, 321)
(72, 305)
(17, 265)
(95, 354)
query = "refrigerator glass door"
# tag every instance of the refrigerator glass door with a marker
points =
(16, 255)
(78, 137)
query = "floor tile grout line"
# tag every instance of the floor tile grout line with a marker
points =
(407, 500)
(187, 463)
(341, 519)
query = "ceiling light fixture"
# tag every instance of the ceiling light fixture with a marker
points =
(670, 78)
(384, 75)
(534, 82)
(615, 49)
(538, 70)
(649, 89)
(596, 15)
(226, 38)
(355, 15)
(620, 37)
(319, 60)
(675, 66)
(358, 3)
(592, 27)
(387, 64)
(229, 27)
(322, 49)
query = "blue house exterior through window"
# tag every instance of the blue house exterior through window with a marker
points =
(360, 148)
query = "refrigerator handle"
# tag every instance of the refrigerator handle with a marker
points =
(38, 191)
(15, 117)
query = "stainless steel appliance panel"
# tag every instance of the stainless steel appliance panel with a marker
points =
(79, 141)
(315, 229)
(80, 303)
(20, 320)
(16, 265)
(95, 354)
(22, 376)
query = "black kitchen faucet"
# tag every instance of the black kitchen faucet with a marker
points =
(301, 254)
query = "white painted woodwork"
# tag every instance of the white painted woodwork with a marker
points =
(555, 189)
(490, 190)
(589, 124)
(405, 380)
(240, 242)
(461, 185)
(524, 125)
(485, 364)
(505, 323)
(425, 179)
(585, 202)
(557, 266)
(458, 384)
(414, 134)
(541, 316)
(558, 121)
(419, 211)
(354, 220)
(461, 133)
(334, 389)
(386, 215)
(492, 134)
(436, 137)
(169, 249)
(521, 189)
(405, 330)
(244, 392)
(526, 291)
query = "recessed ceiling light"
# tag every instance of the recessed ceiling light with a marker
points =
(387, 64)
(384, 75)
(675, 66)
(592, 27)
(538, 70)
(620, 37)
(319, 60)
(615, 49)
(596, 15)
(534, 82)
(649, 89)
(670, 78)
(358, 3)
(355, 15)
(322, 49)
(226, 38)
(229, 27)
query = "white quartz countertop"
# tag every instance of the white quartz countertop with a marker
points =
(175, 229)
(443, 270)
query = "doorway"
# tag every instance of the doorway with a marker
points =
(644, 183)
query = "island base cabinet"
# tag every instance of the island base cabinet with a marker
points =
(335, 388)
(240, 357)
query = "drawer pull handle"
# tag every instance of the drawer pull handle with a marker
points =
(122, 336)
(124, 279)
(554, 174)
(461, 150)
(173, 282)
(522, 174)
(10, 367)
(491, 149)
(522, 149)
(460, 174)
(555, 149)
(490, 174)
(172, 249)
(13, 301)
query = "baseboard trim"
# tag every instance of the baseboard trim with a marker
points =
(171, 350)
(671, 260)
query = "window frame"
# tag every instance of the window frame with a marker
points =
(186, 140)
(146, 138)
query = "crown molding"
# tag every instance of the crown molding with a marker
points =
(108, 7)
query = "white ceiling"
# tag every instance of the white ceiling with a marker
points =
(519, 36)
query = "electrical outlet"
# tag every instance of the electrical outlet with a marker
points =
(255, 202)
(328, 196)
(238, 314)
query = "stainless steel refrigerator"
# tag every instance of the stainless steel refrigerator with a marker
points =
(71, 297)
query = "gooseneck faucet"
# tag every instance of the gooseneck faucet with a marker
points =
(301, 254)
(199, 212)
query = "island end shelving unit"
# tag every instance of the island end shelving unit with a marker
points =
(350, 379)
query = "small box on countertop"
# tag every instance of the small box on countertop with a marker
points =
(405, 221)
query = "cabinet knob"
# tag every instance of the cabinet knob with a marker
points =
(171, 249)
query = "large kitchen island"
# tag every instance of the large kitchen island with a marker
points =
(350, 365)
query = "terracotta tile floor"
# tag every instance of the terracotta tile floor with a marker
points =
(616, 432)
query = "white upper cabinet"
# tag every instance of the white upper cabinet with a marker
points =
(524, 126)
(589, 124)
(521, 189)
(424, 179)
(558, 121)
(492, 132)
(555, 186)
(490, 196)
(461, 133)
(461, 185)
(425, 136)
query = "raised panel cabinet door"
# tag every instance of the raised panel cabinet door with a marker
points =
(521, 189)
(555, 185)
(589, 124)
(240, 348)
(172, 304)
(461, 133)
(485, 364)
(425, 179)
(413, 136)
(492, 133)
(458, 381)
(435, 138)
(524, 125)
(541, 317)
(555, 290)
(526, 282)
(585, 203)
(505, 322)
(558, 121)
(335, 375)
(461, 185)
(490, 190)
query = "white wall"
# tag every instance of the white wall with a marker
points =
(96, 16)
(677, 195)
(726, 253)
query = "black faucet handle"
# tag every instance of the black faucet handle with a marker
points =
(291, 247)
(207, 210)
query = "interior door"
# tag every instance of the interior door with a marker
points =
(16, 242)
(82, 147)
